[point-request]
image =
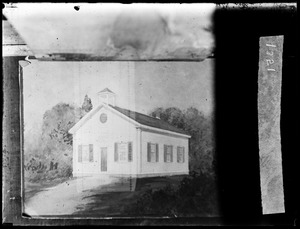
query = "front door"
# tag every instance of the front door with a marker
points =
(104, 159)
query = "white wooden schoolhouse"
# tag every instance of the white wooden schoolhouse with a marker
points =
(119, 142)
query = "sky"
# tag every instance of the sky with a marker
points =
(139, 86)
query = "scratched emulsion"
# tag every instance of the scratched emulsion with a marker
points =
(269, 99)
(115, 32)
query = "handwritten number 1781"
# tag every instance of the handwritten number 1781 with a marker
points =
(270, 61)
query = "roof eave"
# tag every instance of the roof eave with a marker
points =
(165, 131)
(78, 125)
(81, 122)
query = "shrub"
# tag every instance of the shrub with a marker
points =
(36, 170)
(195, 196)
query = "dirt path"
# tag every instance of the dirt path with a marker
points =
(92, 196)
(65, 198)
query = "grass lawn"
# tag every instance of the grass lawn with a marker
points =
(111, 202)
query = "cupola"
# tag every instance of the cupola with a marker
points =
(107, 96)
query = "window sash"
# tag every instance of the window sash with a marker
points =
(123, 152)
(168, 153)
(152, 152)
(180, 154)
(85, 153)
(152, 156)
(122, 156)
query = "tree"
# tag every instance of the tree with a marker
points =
(56, 141)
(172, 115)
(87, 104)
(52, 148)
(58, 121)
(159, 112)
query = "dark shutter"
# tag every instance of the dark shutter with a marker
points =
(80, 153)
(148, 152)
(129, 151)
(183, 154)
(165, 153)
(116, 151)
(178, 154)
(157, 153)
(91, 154)
(171, 153)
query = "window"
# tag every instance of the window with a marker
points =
(168, 153)
(180, 154)
(85, 153)
(103, 117)
(123, 151)
(152, 152)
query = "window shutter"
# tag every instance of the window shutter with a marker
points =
(157, 153)
(129, 151)
(171, 153)
(116, 151)
(165, 153)
(91, 154)
(80, 153)
(183, 154)
(178, 153)
(148, 152)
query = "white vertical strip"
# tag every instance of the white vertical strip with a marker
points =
(269, 99)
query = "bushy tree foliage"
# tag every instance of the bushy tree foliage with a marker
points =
(195, 196)
(57, 122)
(171, 115)
(53, 149)
(87, 104)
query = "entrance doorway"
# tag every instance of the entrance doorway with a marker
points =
(103, 159)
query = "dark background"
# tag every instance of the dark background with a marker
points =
(237, 55)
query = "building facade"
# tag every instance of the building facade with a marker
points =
(119, 142)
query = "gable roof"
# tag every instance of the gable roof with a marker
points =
(148, 120)
(137, 118)
(106, 90)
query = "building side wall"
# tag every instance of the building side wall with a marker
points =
(115, 129)
(163, 168)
